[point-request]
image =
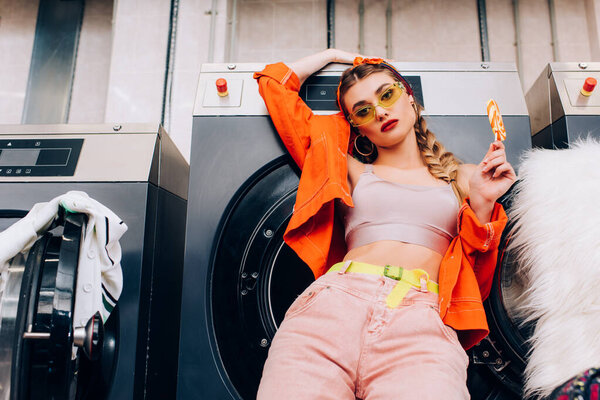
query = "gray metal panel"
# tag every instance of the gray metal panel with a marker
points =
(113, 153)
(128, 201)
(565, 82)
(401, 66)
(174, 171)
(556, 109)
(448, 88)
(555, 94)
(573, 66)
(581, 127)
(538, 102)
(227, 152)
(469, 137)
(165, 306)
(75, 129)
(53, 61)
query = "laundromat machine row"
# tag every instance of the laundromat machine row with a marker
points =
(198, 323)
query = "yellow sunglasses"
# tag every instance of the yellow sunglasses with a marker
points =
(386, 99)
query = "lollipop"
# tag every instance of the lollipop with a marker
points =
(496, 120)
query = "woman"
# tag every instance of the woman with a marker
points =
(377, 325)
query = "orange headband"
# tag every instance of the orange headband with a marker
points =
(365, 60)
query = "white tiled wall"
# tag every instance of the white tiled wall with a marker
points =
(280, 30)
(138, 61)
(436, 30)
(592, 10)
(90, 83)
(17, 30)
(137, 67)
(193, 34)
(572, 30)
(501, 30)
(536, 47)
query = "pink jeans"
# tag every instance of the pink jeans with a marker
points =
(339, 340)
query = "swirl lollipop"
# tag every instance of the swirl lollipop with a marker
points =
(496, 120)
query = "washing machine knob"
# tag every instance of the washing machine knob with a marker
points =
(588, 86)
(222, 87)
(91, 337)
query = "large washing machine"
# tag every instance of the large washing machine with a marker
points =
(560, 112)
(138, 173)
(239, 276)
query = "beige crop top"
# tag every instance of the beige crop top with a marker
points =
(384, 210)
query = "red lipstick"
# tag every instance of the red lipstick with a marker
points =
(389, 125)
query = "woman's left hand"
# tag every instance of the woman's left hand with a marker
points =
(493, 176)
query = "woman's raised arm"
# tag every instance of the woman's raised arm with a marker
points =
(308, 65)
(279, 85)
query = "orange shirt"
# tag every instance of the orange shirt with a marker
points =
(319, 145)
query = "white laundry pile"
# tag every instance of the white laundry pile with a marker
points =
(99, 276)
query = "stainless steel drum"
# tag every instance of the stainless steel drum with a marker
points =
(36, 326)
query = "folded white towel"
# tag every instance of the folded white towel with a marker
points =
(99, 277)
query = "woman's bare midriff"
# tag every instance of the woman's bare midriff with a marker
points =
(405, 255)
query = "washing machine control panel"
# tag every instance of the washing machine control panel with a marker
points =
(39, 157)
(320, 92)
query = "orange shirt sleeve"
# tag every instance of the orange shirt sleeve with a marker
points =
(279, 85)
(480, 243)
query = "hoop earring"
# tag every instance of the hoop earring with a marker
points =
(360, 152)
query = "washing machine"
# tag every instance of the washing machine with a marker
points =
(560, 112)
(137, 172)
(564, 107)
(239, 275)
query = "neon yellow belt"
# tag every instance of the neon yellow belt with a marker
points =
(407, 278)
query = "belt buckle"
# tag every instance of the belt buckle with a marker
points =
(387, 272)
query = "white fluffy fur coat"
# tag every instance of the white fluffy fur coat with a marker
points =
(557, 242)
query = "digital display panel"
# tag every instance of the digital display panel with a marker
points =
(53, 157)
(39, 157)
(320, 92)
(19, 157)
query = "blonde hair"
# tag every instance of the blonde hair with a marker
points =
(441, 164)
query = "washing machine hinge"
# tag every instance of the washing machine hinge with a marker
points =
(36, 335)
(486, 352)
(248, 282)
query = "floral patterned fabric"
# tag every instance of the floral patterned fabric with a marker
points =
(585, 386)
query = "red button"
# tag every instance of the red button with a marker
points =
(590, 84)
(221, 85)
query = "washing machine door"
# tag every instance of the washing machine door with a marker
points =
(36, 310)
(255, 275)
(498, 361)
